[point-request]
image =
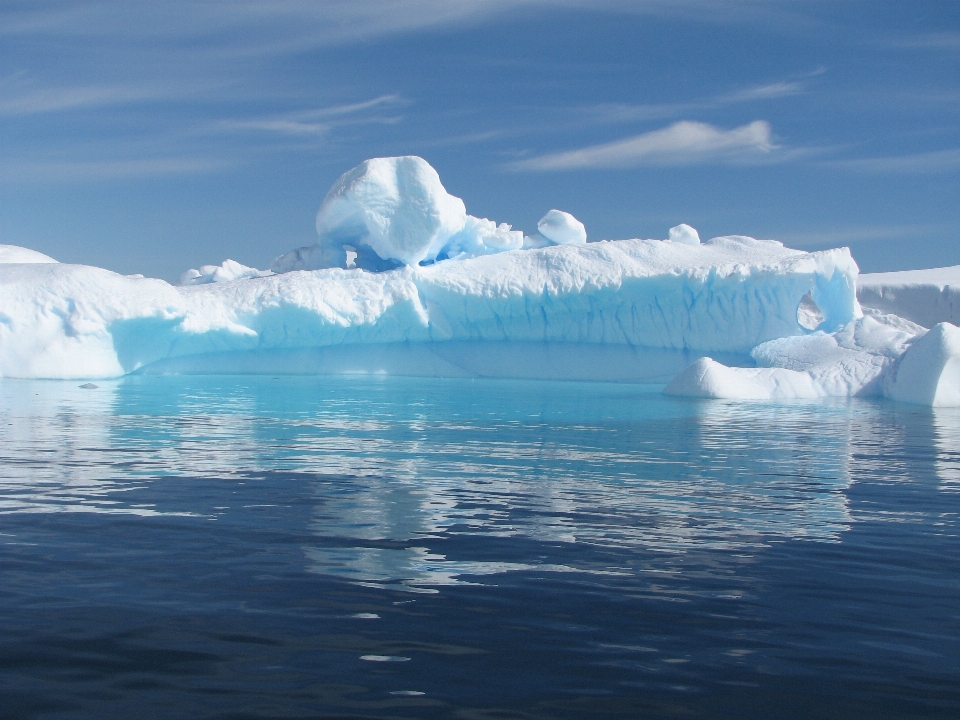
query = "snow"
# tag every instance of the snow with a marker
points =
(873, 356)
(926, 297)
(14, 254)
(628, 309)
(226, 271)
(392, 212)
(685, 234)
(562, 228)
(929, 372)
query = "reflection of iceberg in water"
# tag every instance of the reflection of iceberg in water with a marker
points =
(66, 448)
(946, 424)
(51, 447)
(430, 482)
(730, 478)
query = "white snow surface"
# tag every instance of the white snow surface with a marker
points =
(882, 355)
(395, 211)
(226, 271)
(16, 254)
(685, 234)
(727, 295)
(926, 297)
(562, 228)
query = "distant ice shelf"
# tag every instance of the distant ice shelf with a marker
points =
(926, 297)
(403, 281)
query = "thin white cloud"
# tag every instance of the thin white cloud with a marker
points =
(931, 41)
(770, 91)
(613, 113)
(938, 161)
(283, 24)
(835, 237)
(319, 121)
(73, 171)
(47, 100)
(683, 143)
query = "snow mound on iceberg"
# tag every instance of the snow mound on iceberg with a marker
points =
(929, 372)
(11, 254)
(562, 228)
(227, 271)
(725, 296)
(685, 234)
(926, 297)
(391, 212)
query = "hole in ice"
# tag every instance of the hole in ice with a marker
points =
(351, 256)
(809, 315)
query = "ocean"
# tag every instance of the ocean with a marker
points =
(367, 546)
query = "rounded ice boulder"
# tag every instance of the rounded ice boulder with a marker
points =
(395, 208)
(929, 372)
(685, 234)
(562, 228)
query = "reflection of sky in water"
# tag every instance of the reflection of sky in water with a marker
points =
(413, 462)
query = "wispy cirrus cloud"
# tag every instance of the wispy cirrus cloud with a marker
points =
(937, 161)
(86, 170)
(320, 121)
(835, 237)
(931, 41)
(611, 113)
(682, 143)
(19, 101)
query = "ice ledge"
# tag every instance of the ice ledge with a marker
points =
(724, 296)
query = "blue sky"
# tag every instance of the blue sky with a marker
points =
(154, 137)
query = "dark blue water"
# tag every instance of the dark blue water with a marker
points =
(393, 548)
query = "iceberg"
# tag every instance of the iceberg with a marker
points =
(403, 281)
(558, 305)
(926, 297)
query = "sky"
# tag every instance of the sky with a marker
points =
(150, 137)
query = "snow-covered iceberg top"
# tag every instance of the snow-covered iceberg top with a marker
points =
(10, 254)
(389, 212)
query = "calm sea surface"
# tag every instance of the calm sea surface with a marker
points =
(372, 547)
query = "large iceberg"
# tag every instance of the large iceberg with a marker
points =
(724, 297)
(403, 281)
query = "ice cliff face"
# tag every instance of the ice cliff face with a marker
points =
(727, 296)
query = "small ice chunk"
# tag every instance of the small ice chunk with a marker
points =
(929, 373)
(482, 237)
(562, 228)
(224, 272)
(684, 234)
